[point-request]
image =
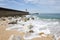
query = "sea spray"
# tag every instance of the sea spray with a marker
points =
(48, 26)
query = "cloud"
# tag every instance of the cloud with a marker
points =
(44, 2)
(2, 4)
(52, 5)
(40, 1)
(49, 5)
(31, 1)
(10, 1)
(15, 2)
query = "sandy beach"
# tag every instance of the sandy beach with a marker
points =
(5, 34)
(29, 19)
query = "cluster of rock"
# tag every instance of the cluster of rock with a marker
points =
(31, 25)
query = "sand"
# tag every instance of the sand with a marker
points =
(4, 34)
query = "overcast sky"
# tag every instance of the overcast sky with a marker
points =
(40, 6)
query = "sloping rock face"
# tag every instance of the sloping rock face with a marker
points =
(11, 12)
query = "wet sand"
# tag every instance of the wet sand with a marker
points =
(4, 34)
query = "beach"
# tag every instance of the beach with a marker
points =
(6, 32)
(4, 35)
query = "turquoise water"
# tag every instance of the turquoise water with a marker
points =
(49, 16)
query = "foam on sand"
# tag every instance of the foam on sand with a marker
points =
(47, 26)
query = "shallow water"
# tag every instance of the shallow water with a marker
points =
(48, 26)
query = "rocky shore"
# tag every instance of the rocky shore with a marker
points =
(24, 28)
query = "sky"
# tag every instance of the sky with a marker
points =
(33, 6)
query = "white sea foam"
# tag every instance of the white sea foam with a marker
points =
(48, 26)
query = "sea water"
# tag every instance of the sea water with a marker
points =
(52, 22)
(47, 23)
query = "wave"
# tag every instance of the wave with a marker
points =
(48, 26)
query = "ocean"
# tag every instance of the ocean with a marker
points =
(49, 16)
(51, 22)
(46, 23)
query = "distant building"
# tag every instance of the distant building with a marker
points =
(11, 12)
